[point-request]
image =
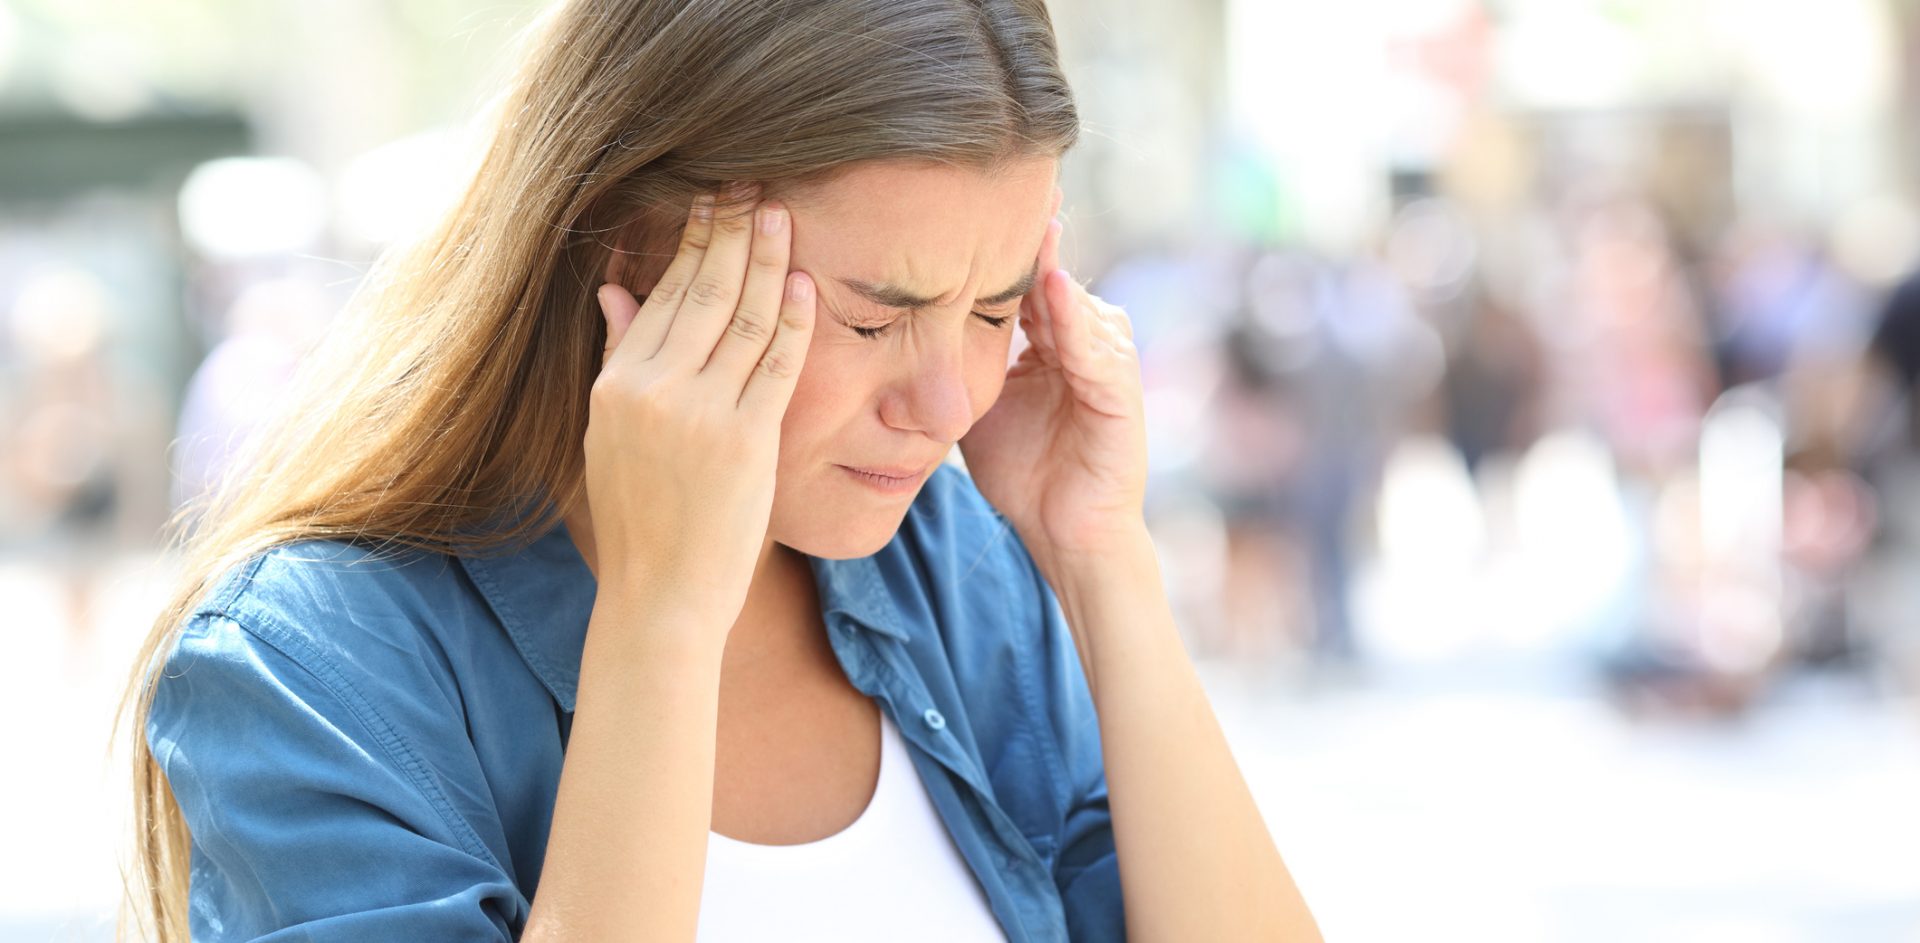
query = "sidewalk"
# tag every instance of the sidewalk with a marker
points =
(1489, 804)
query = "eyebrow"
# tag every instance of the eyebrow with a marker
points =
(893, 296)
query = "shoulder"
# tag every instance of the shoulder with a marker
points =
(335, 577)
(329, 648)
(306, 724)
(342, 610)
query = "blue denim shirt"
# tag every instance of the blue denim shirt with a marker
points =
(371, 748)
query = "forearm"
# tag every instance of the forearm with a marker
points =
(1196, 859)
(626, 853)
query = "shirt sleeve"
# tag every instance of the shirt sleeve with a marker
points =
(1087, 868)
(311, 818)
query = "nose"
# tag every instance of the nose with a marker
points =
(933, 396)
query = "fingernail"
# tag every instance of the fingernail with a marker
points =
(703, 206)
(772, 217)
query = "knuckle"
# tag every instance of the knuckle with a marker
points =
(611, 384)
(706, 291)
(777, 364)
(748, 325)
(669, 291)
(624, 389)
(608, 393)
(733, 223)
(770, 254)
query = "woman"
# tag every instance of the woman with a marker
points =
(660, 568)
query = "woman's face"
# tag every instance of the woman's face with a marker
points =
(898, 400)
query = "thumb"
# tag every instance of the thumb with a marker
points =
(618, 306)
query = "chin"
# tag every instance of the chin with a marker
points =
(831, 537)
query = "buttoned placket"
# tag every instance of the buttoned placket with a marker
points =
(875, 665)
(874, 660)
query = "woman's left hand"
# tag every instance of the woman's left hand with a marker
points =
(1063, 452)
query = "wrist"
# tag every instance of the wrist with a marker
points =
(1116, 549)
(665, 624)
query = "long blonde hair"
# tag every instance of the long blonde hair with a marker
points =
(456, 383)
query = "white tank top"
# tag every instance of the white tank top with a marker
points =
(893, 874)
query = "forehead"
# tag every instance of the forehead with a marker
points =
(925, 227)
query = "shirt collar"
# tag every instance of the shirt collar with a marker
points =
(543, 594)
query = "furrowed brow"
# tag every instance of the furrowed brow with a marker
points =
(893, 296)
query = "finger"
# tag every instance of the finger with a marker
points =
(626, 259)
(1033, 306)
(1028, 361)
(663, 302)
(616, 262)
(1050, 246)
(618, 307)
(1118, 318)
(1088, 331)
(1036, 340)
(770, 387)
(747, 335)
(1094, 361)
(1067, 322)
(715, 289)
(1050, 261)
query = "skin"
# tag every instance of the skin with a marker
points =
(1056, 443)
(907, 396)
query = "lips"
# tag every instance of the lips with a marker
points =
(890, 471)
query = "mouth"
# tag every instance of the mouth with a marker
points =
(892, 479)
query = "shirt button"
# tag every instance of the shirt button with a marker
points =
(934, 719)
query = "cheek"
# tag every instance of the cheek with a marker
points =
(829, 386)
(987, 372)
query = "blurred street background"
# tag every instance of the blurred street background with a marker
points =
(1532, 387)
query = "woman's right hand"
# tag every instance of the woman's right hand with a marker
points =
(683, 431)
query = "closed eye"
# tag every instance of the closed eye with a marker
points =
(870, 332)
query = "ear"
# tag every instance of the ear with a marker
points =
(1058, 194)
